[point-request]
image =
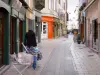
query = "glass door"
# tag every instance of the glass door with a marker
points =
(44, 30)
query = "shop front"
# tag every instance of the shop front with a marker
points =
(47, 27)
(12, 21)
(4, 33)
(92, 38)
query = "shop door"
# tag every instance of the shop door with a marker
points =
(82, 32)
(1, 39)
(44, 30)
(95, 35)
(12, 35)
(20, 35)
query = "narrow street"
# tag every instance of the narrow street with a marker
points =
(61, 60)
(67, 34)
(63, 57)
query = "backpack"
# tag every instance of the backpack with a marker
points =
(39, 56)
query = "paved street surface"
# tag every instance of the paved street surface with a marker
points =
(86, 62)
(63, 57)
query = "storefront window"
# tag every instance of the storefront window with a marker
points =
(44, 29)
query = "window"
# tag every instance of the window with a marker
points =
(50, 4)
(54, 4)
(44, 24)
(44, 29)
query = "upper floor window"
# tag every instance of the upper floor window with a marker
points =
(54, 4)
(50, 4)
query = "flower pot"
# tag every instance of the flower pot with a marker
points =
(78, 42)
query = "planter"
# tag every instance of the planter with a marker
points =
(78, 42)
(78, 39)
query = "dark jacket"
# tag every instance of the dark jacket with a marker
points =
(30, 39)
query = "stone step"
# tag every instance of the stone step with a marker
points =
(4, 68)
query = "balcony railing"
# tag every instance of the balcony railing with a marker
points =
(39, 4)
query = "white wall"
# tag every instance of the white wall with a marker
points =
(52, 12)
(48, 12)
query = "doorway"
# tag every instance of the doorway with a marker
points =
(20, 35)
(95, 34)
(1, 38)
(12, 23)
(44, 30)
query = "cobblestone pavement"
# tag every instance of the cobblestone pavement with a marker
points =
(63, 57)
(86, 62)
(46, 47)
(61, 60)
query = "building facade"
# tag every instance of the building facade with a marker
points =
(91, 21)
(16, 18)
(12, 28)
(33, 17)
(53, 19)
(39, 5)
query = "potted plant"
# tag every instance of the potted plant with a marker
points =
(78, 39)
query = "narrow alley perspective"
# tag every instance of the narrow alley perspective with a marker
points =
(63, 57)
(49, 37)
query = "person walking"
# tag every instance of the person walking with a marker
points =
(75, 36)
(30, 39)
(31, 45)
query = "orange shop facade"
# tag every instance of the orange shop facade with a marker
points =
(47, 27)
